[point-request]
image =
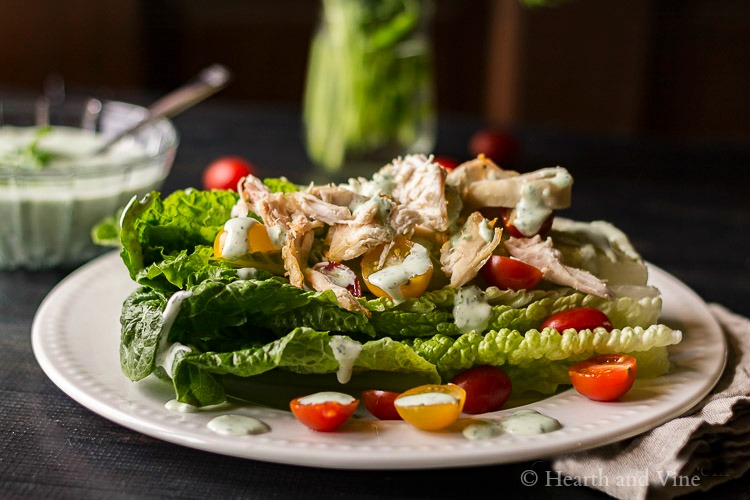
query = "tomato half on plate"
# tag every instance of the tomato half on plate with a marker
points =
(380, 404)
(606, 377)
(324, 411)
(431, 407)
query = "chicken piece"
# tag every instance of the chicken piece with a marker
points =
(316, 209)
(465, 253)
(320, 282)
(542, 255)
(479, 169)
(481, 183)
(336, 195)
(295, 251)
(419, 184)
(404, 220)
(350, 239)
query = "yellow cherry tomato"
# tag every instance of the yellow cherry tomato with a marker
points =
(257, 238)
(413, 285)
(431, 407)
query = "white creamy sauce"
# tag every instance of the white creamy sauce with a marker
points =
(527, 422)
(247, 273)
(237, 425)
(170, 355)
(174, 405)
(326, 397)
(338, 275)
(521, 423)
(391, 278)
(346, 351)
(237, 241)
(165, 354)
(536, 193)
(239, 209)
(381, 183)
(483, 429)
(426, 399)
(49, 223)
(471, 312)
(485, 231)
(531, 211)
(277, 235)
(68, 146)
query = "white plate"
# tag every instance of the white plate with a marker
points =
(75, 338)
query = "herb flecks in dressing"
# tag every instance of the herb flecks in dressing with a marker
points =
(326, 397)
(391, 278)
(237, 425)
(426, 399)
(471, 312)
(483, 429)
(237, 240)
(346, 352)
(528, 422)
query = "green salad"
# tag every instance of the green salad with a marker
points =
(380, 283)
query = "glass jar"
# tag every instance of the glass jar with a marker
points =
(369, 93)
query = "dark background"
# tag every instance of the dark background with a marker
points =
(665, 69)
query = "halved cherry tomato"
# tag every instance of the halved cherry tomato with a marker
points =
(506, 214)
(431, 407)
(446, 162)
(257, 237)
(226, 172)
(340, 275)
(380, 404)
(605, 377)
(413, 286)
(500, 146)
(579, 318)
(487, 388)
(324, 411)
(510, 274)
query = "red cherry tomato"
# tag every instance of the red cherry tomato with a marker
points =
(510, 274)
(579, 318)
(487, 388)
(324, 411)
(446, 162)
(501, 147)
(226, 172)
(380, 404)
(604, 378)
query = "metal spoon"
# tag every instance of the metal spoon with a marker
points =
(209, 81)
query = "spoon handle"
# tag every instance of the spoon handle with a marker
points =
(209, 81)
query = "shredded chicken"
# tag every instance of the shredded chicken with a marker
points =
(352, 238)
(419, 184)
(295, 252)
(480, 168)
(464, 255)
(320, 282)
(481, 183)
(336, 195)
(542, 255)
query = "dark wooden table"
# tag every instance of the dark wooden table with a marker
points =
(685, 207)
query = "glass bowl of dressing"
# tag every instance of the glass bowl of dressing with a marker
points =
(53, 190)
